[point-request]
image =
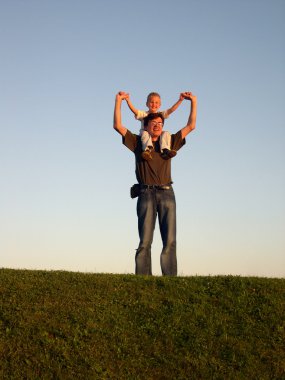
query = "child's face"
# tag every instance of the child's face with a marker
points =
(153, 104)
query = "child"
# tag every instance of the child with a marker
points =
(153, 103)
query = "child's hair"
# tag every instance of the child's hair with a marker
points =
(152, 116)
(152, 94)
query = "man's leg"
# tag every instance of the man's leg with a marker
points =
(146, 211)
(167, 223)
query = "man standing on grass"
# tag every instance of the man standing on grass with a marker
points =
(155, 192)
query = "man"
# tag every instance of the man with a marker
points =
(156, 195)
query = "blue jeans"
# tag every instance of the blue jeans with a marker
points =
(153, 202)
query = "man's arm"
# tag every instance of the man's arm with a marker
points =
(117, 114)
(175, 105)
(191, 123)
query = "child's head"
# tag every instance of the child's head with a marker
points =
(153, 102)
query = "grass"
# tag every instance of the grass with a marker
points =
(64, 325)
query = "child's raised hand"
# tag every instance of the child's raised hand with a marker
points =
(123, 95)
(189, 96)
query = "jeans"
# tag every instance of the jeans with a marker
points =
(153, 202)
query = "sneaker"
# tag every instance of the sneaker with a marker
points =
(167, 154)
(146, 155)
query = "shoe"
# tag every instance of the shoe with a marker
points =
(167, 154)
(146, 155)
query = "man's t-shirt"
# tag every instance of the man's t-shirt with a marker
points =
(156, 171)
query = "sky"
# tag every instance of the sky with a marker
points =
(64, 173)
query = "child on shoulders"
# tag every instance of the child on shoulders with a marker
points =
(153, 104)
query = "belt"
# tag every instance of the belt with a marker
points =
(156, 187)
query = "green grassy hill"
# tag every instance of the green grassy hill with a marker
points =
(62, 325)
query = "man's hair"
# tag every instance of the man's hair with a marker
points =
(152, 116)
(152, 94)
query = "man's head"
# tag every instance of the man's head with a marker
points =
(153, 124)
(153, 102)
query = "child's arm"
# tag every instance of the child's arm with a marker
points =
(131, 106)
(175, 105)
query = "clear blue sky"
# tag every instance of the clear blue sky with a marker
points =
(64, 174)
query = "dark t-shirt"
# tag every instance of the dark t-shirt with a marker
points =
(156, 171)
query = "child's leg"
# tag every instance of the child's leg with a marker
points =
(165, 141)
(147, 145)
(165, 146)
(146, 140)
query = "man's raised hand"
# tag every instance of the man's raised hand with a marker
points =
(123, 95)
(189, 96)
